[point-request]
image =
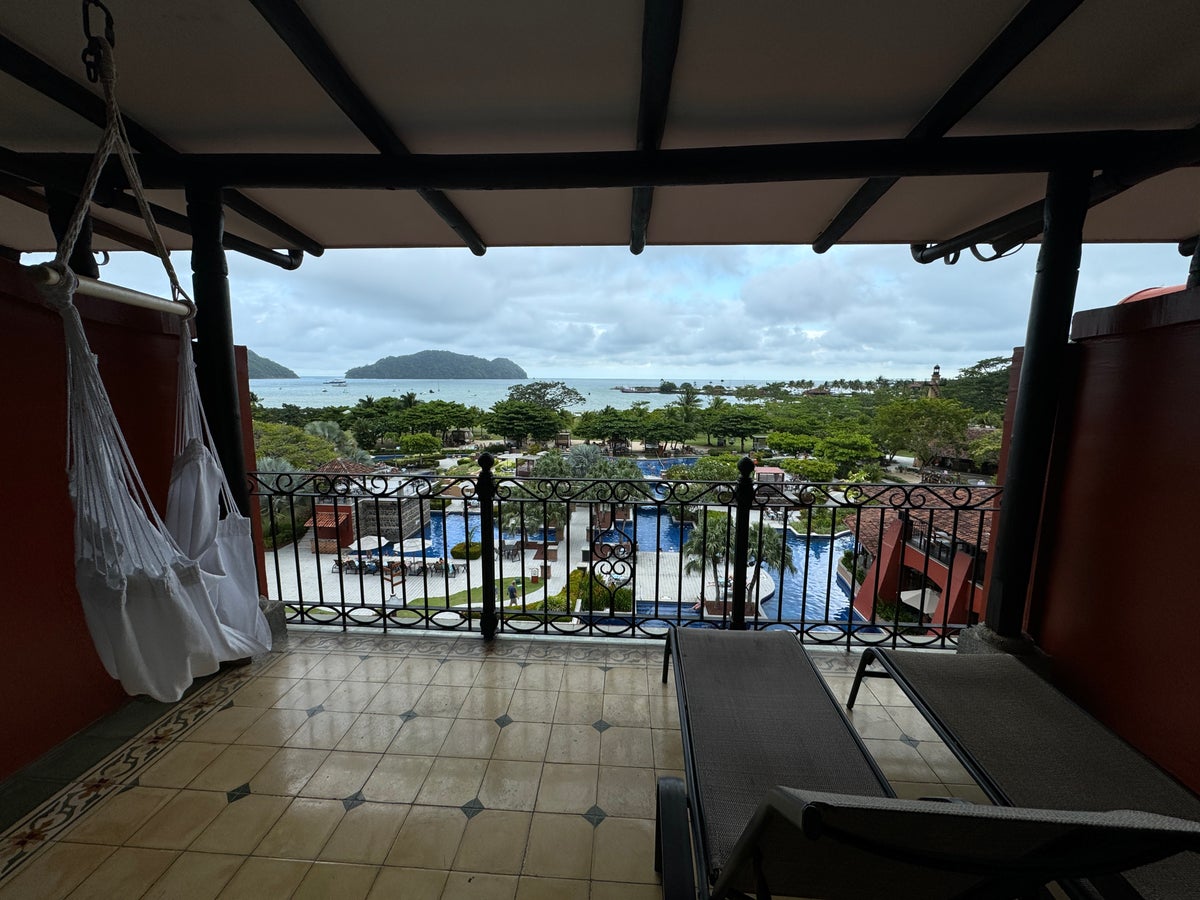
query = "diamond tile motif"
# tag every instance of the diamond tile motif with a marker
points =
(228, 705)
(595, 815)
(355, 799)
(601, 726)
(238, 792)
(130, 786)
(313, 710)
(472, 808)
(503, 720)
(523, 663)
(911, 741)
(605, 668)
(408, 715)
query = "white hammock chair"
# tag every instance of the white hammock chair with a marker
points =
(160, 614)
(198, 492)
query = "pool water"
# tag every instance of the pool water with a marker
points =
(446, 530)
(653, 531)
(655, 467)
(813, 588)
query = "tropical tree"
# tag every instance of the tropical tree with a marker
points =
(711, 544)
(331, 431)
(982, 387)
(688, 406)
(422, 443)
(582, 457)
(788, 443)
(518, 419)
(303, 450)
(813, 469)
(986, 448)
(555, 395)
(529, 509)
(846, 448)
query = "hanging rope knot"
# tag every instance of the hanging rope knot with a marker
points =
(57, 294)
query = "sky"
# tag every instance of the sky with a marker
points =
(695, 313)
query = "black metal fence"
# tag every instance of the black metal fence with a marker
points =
(848, 563)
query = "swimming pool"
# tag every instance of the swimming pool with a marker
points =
(655, 467)
(452, 529)
(813, 592)
(654, 530)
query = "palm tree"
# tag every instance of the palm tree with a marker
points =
(711, 542)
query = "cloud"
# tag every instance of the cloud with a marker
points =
(673, 312)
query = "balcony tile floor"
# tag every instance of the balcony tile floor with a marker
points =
(416, 766)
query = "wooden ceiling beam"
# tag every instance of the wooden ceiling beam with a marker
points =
(28, 197)
(1024, 224)
(48, 81)
(661, 23)
(991, 155)
(310, 48)
(1028, 29)
(70, 177)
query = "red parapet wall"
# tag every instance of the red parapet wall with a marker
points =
(1114, 597)
(51, 681)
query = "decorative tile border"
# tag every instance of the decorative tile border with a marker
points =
(119, 770)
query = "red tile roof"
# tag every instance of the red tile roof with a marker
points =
(345, 467)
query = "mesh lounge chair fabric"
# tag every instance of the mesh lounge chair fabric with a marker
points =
(1041, 749)
(815, 844)
(758, 714)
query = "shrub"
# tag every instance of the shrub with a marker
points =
(497, 448)
(467, 550)
(466, 460)
(585, 585)
(439, 502)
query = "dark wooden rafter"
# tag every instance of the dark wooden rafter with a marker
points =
(1028, 29)
(1117, 151)
(661, 23)
(311, 49)
(1017, 227)
(69, 178)
(44, 78)
(27, 196)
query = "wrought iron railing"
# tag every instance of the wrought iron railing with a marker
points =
(833, 562)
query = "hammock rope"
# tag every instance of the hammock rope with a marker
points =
(158, 614)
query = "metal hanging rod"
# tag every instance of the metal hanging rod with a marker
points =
(90, 287)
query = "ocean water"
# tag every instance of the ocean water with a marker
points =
(597, 393)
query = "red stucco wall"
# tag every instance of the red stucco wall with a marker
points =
(51, 681)
(1115, 599)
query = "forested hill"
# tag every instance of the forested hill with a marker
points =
(438, 364)
(261, 367)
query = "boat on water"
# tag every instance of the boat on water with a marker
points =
(337, 382)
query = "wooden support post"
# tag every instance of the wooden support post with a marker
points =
(216, 368)
(1033, 423)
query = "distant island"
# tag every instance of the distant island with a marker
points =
(438, 364)
(261, 367)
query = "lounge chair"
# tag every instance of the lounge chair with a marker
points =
(811, 844)
(782, 797)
